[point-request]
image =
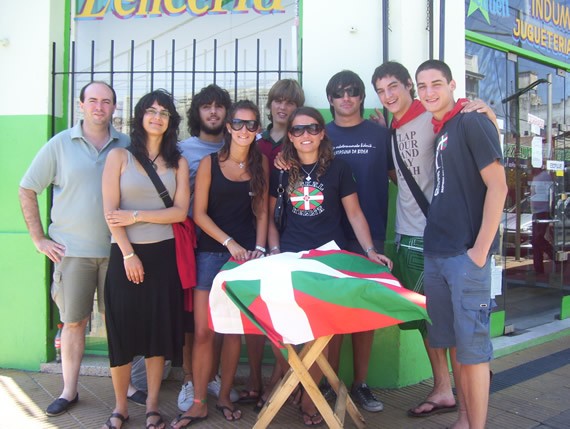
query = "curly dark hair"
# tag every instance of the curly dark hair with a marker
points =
(169, 147)
(290, 153)
(207, 95)
(254, 163)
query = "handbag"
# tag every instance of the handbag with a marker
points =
(279, 214)
(184, 232)
(419, 196)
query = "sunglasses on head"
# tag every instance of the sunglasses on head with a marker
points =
(251, 125)
(298, 130)
(350, 91)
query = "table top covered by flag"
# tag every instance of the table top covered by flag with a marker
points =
(294, 298)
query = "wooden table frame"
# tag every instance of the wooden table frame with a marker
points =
(299, 373)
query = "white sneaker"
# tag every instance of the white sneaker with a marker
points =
(215, 386)
(186, 396)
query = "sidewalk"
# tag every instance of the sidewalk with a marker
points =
(530, 389)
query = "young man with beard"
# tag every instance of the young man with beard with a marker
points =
(206, 122)
(365, 146)
(460, 235)
(413, 131)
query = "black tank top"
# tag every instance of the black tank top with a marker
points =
(229, 206)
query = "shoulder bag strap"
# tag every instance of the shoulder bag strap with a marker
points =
(153, 175)
(412, 184)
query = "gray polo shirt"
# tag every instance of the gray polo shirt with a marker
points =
(74, 167)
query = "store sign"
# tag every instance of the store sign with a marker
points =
(542, 26)
(126, 9)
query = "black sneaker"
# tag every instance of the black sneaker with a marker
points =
(327, 391)
(60, 406)
(363, 396)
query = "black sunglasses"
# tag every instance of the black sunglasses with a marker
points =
(298, 130)
(351, 91)
(251, 125)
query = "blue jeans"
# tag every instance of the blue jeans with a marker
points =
(208, 264)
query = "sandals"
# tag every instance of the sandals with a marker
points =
(249, 396)
(156, 424)
(231, 417)
(119, 416)
(312, 417)
(191, 420)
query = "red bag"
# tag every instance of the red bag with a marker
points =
(185, 242)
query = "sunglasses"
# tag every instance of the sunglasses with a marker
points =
(350, 91)
(237, 124)
(164, 114)
(299, 130)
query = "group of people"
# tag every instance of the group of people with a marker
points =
(227, 176)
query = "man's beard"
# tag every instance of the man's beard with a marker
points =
(207, 129)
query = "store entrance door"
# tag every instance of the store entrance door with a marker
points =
(537, 212)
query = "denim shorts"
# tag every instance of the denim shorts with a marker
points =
(458, 296)
(208, 264)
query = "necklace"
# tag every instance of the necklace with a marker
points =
(241, 164)
(152, 161)
(308, 178)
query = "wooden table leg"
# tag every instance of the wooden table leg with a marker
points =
(299, 373)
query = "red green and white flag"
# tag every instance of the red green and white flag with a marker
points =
(294, 298)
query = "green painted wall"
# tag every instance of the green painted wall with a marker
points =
(24, 329)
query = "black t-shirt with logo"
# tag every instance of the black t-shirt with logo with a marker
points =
(314, 209)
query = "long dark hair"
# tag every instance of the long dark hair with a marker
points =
(169, 147)
(208, 95)
(291, 156)
(254, 162)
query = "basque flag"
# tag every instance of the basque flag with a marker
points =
(294, 298)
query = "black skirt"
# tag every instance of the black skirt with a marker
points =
(144, 319)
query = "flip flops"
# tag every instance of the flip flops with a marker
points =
(232, 413)
(436, 409)
(191, 420)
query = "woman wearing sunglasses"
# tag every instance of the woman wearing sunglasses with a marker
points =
(230, 207)
(319, 188)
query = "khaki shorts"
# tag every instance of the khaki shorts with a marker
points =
(75, 281)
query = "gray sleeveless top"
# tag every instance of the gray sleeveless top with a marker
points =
(138, 193)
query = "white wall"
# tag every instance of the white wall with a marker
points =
(26, 33)
(337, 35)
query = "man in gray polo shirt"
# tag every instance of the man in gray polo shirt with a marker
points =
(78, 240)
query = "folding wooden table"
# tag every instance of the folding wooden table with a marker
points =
(299, 373)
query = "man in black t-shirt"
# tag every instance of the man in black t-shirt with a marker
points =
(469, 194)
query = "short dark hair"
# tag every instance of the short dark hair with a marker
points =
(82, 92)
(343, 79)
(288, 89)
(435, 65)
(169, 147)
(397, 70)
(207, 95)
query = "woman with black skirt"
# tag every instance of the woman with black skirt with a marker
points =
(143, 295)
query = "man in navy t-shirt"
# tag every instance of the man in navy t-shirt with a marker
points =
(463, 220)
(365, 146)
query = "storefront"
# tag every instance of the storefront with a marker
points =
(516, 56)
(245, 46)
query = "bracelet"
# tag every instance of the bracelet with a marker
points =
(129, 256)
(274, 248)
(369, 249)
(260, 248)
(226, 241)
(135, 214)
